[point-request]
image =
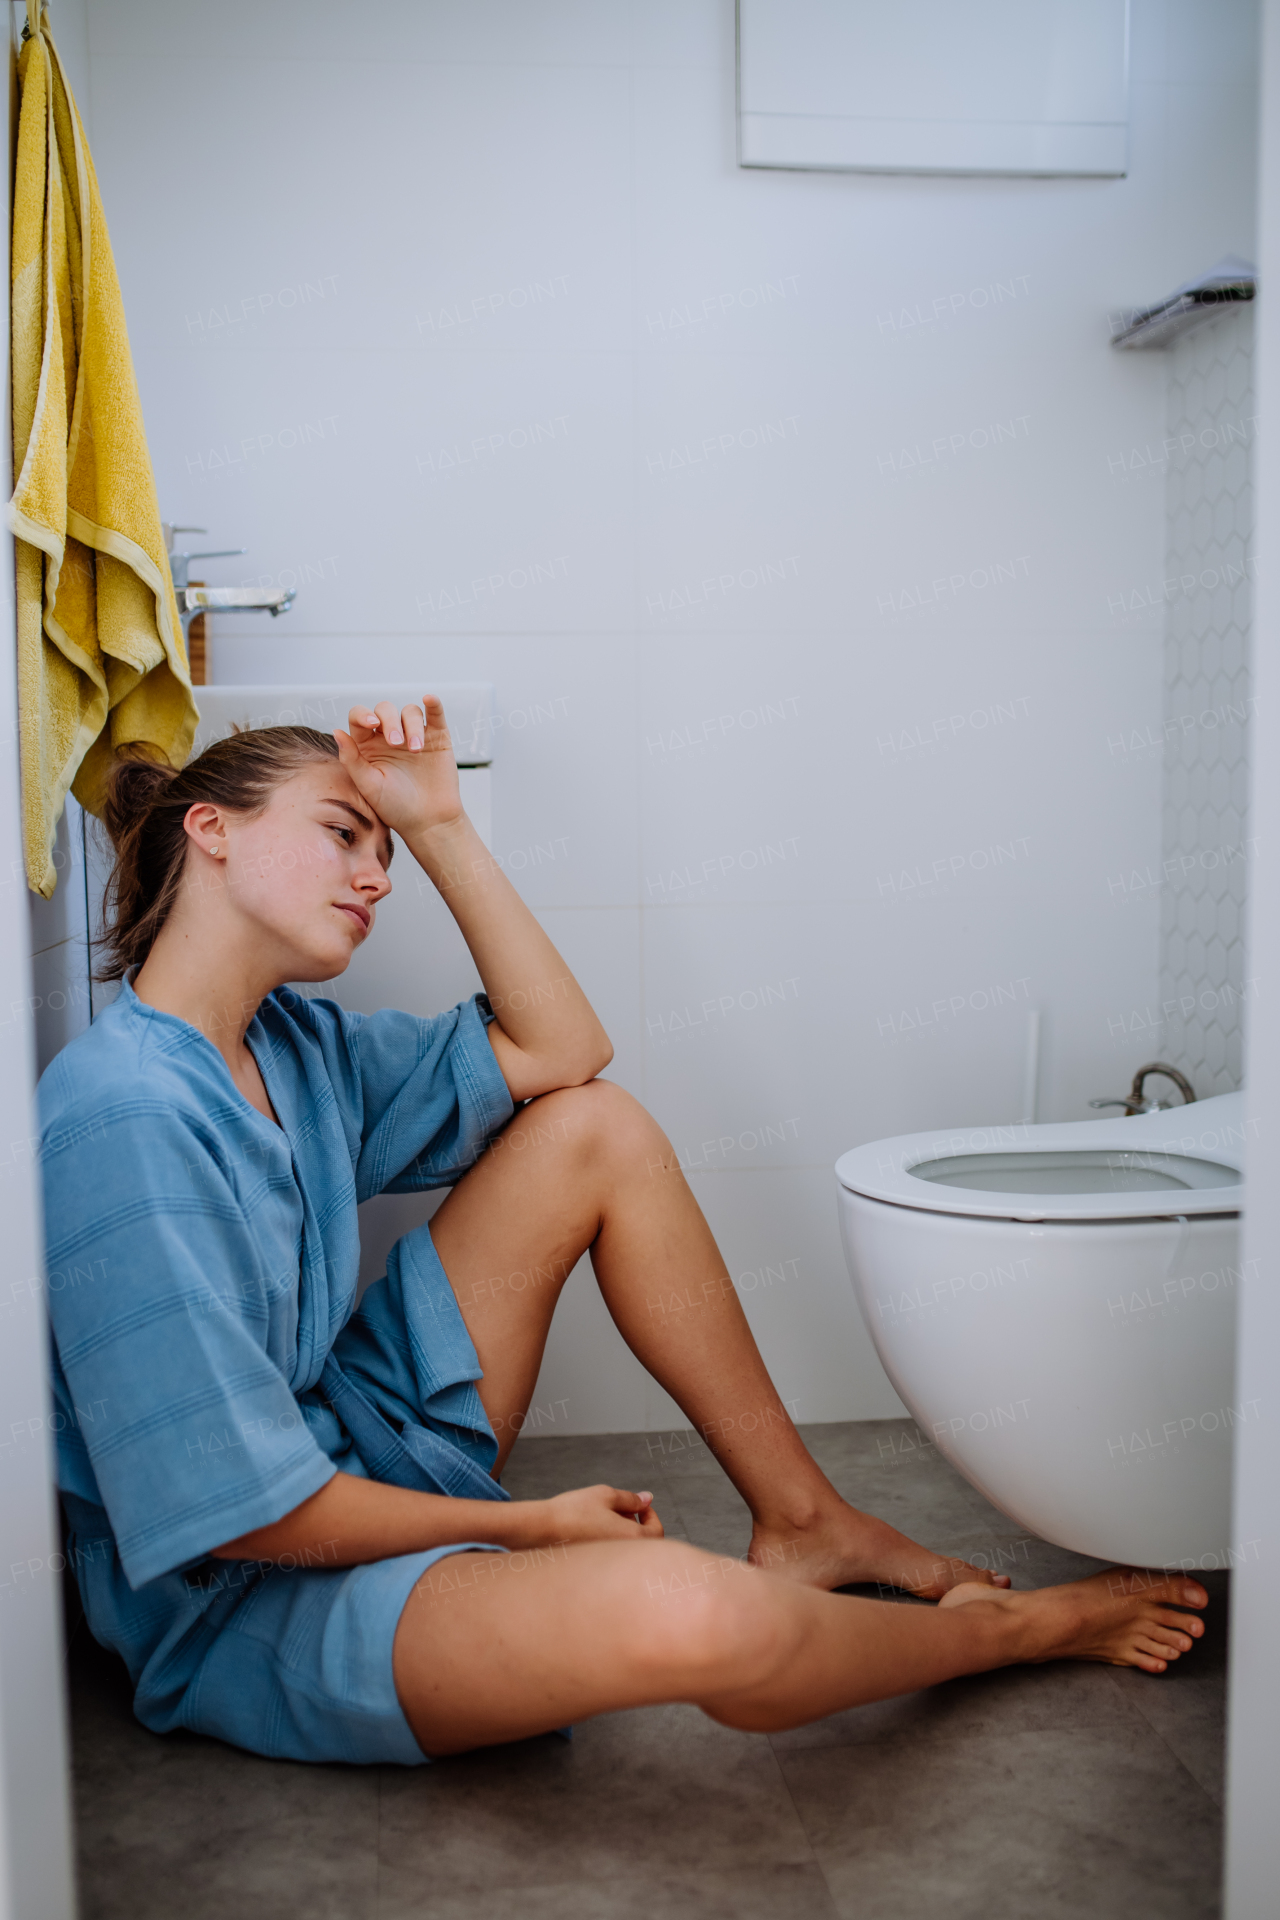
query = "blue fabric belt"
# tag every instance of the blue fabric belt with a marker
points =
(415, 1458)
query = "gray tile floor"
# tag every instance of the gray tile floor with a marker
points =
(1035, 1793)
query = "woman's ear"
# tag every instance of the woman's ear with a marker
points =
(206, 825)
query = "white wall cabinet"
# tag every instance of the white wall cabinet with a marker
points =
(934, 86)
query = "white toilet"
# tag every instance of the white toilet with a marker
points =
(1056, 1305)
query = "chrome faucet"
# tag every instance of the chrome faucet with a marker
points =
(193, 601)
(180, 563)
(1137, 1101)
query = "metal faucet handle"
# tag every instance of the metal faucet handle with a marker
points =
(1138, 1101)
(168, 528)
(180, 563)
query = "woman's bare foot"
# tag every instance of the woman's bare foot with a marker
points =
(1126, 1616)
(843, 1547)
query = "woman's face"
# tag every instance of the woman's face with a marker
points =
(307, 873)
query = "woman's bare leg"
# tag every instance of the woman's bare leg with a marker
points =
(588, 1167)
(495, 1647)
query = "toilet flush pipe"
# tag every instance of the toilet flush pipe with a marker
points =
(1031, 1070)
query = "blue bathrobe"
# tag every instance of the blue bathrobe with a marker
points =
(209, 1373)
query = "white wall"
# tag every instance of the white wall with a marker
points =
(1253, 1834)
(1198, 1021)
(740, 486)
(36, 1869)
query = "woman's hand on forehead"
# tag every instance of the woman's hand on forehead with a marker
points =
(401, 761)
(399, 726)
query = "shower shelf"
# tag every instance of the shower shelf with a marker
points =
(1231, 282)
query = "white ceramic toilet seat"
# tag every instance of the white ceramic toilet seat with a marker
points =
(1155, 1165)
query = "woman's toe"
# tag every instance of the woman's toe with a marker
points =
(1159, 1649)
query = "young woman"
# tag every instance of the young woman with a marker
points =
(285, 1516)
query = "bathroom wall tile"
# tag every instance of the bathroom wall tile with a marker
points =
(1208, 710)
(738, 1013)
(491, 32)
(862, 244)
(564, 775)
(62, 917)
(560, 1461)
(589, 1380)
(383, 1221)
(780, 1237)
(737, 743)
(59, 1004)
(602, 946)
(530, 255)
(758, 1034)
(752, 276)
(529, 541)
(804, 1022)
(671, 33)
(747, 786)
(961, 749)
(58, 1007)
(741, 470)
(563, 778)
(938, 774)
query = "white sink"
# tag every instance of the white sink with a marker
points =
(468, 707)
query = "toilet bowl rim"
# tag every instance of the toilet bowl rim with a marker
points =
(1039, 1214)
(1212, 1129)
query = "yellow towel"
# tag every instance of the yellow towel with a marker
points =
(101, 659)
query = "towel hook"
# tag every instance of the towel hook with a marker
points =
(34, 10)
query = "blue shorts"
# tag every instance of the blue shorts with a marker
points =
(295, 1663)
(302, 1668)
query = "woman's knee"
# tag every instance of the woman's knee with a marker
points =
(715, 1625)
(598, 1122)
